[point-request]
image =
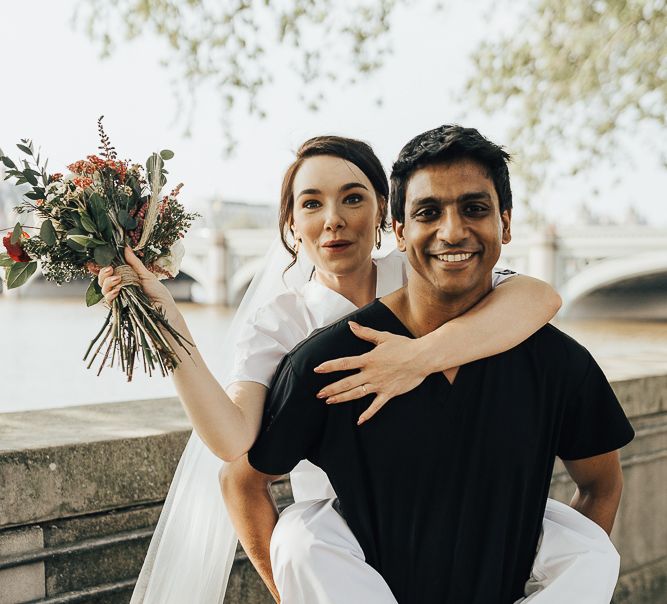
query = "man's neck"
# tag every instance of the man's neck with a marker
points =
(422, 309)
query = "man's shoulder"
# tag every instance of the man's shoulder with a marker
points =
(559, 353)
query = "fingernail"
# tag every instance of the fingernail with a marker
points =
(316, 370)
(361, 421)
(332, 399)
(320, 394)
(352, 324)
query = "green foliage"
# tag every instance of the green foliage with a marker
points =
(16, 233)
(228, 43)
(19, 273)
(104, 255)
(579, 80)
(47, 233)
(93, 293)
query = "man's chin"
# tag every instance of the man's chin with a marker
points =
(458, 284)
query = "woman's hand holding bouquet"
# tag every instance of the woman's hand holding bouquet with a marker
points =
(107, 215)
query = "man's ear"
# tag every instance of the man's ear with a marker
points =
(506, 218)
(398, 232)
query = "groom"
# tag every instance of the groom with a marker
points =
(445, 489)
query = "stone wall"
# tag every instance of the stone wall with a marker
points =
(81, 489)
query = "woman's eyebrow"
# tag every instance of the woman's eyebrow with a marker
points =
(352, 185)
(309, 192)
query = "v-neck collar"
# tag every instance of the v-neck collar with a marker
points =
(407, 333)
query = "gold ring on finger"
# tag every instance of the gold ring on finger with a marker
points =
(363, 387)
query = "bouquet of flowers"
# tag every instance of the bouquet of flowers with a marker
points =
(84, 221)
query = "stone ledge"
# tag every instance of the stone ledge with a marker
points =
(69, 462)
(67, 426)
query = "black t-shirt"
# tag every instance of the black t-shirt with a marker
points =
(445, 487)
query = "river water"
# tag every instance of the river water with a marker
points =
(43, 341)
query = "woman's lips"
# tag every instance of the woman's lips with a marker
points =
(336, 247)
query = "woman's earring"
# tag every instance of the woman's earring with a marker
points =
(378, 238)
(297, 244)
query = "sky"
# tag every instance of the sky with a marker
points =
(56, 86)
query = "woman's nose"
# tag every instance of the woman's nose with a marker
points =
(334, 220)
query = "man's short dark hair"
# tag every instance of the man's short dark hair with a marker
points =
(447, 144)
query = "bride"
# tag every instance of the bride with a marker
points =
(191, 553)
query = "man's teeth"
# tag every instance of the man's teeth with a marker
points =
(454, 257)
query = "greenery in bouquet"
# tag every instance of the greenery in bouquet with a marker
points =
(84, 221)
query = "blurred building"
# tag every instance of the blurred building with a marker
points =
(222, 214)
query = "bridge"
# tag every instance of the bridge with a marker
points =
(616, 265)
(580, 262)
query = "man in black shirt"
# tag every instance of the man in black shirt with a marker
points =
(445, 489)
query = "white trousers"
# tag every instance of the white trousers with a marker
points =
(316, 559)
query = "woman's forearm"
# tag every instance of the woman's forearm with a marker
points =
(253, 513)
(227, 422)
(504, 318)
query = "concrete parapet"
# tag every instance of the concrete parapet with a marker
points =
(81, 489)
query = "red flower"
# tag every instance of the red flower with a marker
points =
(82, 181)
(14, 250)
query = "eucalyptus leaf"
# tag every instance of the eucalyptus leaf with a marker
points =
(16, 233)
(166, 154)
(99, 214)
(8, 162)
(93, 293)
(154, 161)
(24, 148)
(19, 273)
(30, 177)
(128, 222)
(71, 243)
(47, 233)
(35, 194)
(86, 240)
(104, 255)
(88, 223)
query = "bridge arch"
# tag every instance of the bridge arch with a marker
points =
(241, 279)
(611, 271)
(195, 270)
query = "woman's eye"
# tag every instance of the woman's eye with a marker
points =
(311, 204)
(353, 199)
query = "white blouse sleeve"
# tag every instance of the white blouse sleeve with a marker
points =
(267, 337)
(500, 275)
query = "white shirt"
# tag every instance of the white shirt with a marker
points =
(290, 318)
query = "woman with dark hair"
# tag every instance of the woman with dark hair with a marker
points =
(332, 214)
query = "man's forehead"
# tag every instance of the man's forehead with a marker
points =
(449, 181)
